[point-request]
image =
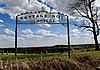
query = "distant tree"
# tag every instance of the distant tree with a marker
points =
(87, 9)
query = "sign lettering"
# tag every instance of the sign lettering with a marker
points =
(41, 17)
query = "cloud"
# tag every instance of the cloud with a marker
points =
(75, 31)
(8, 31)
(45, 25)
(8, 41)
(38, 34)
(1, 21)
(61, 5)
(66, 6)
(20, 6)
(27, 31)
(20, 38)
(62, 36)
(78, 37)
(28, 36)
(45, 33)
(31, 36)
(85, 35)
(5, 37)
(78, 34)
(1, 25)
(97, 3)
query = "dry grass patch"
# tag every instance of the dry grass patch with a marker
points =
(53, 63)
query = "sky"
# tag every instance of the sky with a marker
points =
(36, 35)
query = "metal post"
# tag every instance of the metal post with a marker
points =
(16, 37)
(68, 37)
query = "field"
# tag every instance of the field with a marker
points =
(92, 53)
(80, 60)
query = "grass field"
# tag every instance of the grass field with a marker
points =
(30, 56)
(92, 53)
(74, 53)
(87, 60)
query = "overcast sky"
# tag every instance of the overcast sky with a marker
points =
(34, 35)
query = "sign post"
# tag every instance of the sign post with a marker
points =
(68, 36)
(16, 36)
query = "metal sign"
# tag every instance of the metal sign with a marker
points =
(41, 17)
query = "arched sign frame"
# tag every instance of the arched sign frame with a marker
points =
(42, 17)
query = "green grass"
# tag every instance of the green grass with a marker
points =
(92, 53)
(30, 56)
(25, 57)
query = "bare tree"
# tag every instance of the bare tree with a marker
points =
(87, 9)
